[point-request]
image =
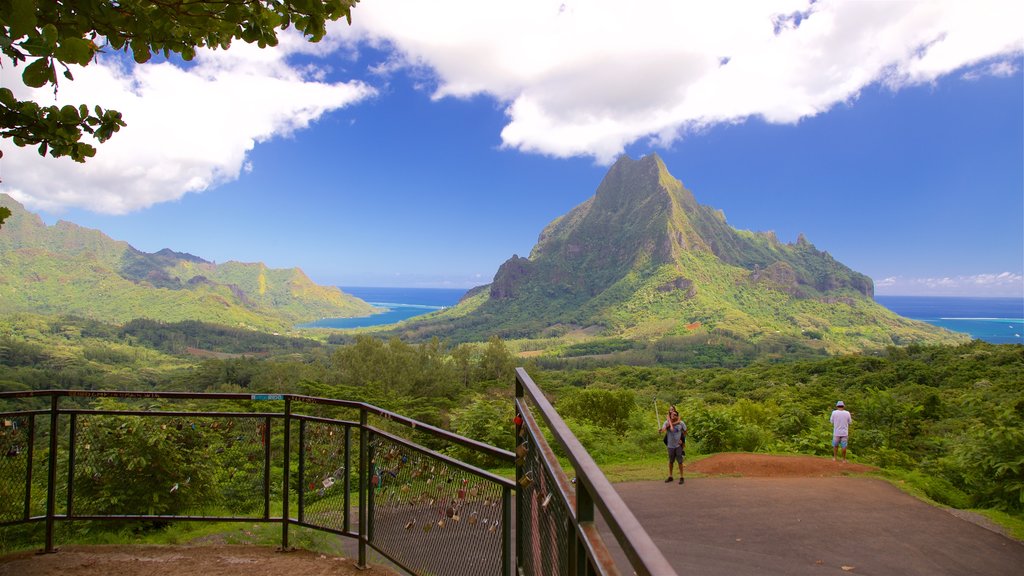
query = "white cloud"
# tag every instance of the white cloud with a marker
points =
(189, 127)
(1007, 284)
(577, 78)
(590, 77)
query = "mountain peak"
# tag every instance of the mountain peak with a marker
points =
(641, 259)
(628, 179)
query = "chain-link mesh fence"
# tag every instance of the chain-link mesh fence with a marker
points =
(16, 451)
(179, 465)
(547, 532)
(327, 474)
(433, 515)
(157, 457)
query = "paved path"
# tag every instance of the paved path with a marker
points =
(820, 526)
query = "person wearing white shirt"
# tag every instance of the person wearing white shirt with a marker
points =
(840, 429)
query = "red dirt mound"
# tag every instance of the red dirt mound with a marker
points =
(773, 466)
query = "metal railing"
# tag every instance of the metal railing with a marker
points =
(337, 466)
(555, 517)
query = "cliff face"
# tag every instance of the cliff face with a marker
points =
(640, 218)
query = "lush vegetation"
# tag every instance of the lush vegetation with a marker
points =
(946, 417)
(191, 336)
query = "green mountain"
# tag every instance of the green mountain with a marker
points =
(68, 269)
(641, 263)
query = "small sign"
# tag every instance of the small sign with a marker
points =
(268, 396)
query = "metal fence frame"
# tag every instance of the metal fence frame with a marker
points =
(277, 421)
(553, 513)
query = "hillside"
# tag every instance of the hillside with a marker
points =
(68, 269)
(643, 264)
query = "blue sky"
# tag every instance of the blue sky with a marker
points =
(406, 151)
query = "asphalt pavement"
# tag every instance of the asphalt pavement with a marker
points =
(731, 526)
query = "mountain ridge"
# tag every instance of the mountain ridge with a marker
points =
(644, 261)
(70, 269)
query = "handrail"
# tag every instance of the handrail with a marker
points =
(498, 453)
(576, 546)
(644, 555)
(383, 456)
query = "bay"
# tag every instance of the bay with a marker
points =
(401, 304)
(995, 320)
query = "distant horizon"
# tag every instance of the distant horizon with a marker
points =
(885, 294)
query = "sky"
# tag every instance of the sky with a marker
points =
(428, 142)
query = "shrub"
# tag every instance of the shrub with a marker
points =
(137, 465)
(991, 462)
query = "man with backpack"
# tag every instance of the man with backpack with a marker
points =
(674, 430)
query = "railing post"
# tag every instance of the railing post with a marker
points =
(51, 482)
(363, 447)
(584, 514)
(506, 532)
(285, 495)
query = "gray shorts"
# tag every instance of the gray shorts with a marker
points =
(676, 454)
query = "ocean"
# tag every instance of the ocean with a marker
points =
(996, 320)
(402, 304)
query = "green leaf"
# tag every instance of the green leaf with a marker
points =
(69, 115)
(23, 17)
(74, 50)
(50, 35)
(141, 52)
(38, 73)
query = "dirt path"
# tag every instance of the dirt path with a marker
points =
(180, 561)
(748, 514)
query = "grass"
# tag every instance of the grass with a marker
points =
(1013, 524)
(648, 467)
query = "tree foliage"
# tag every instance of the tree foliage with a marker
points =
(46, 37)
(944, 417)
(123, 459)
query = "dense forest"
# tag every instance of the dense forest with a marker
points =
(946, 419)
